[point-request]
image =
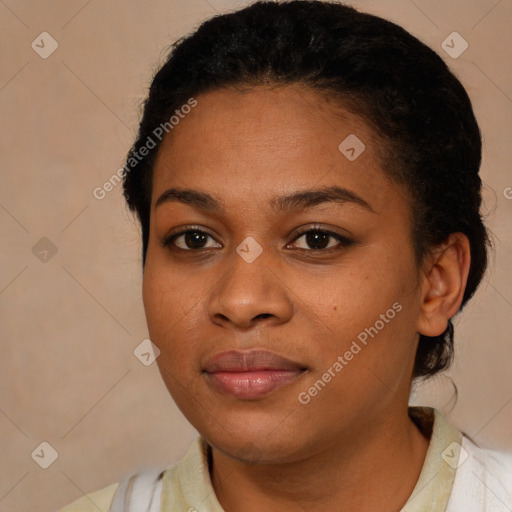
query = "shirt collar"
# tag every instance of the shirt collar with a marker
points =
(187, 485)
(434, 486)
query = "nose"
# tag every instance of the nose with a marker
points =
(249, 294)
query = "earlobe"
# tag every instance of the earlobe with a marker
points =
(444, 281)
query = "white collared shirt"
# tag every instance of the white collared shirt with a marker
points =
(457, 476)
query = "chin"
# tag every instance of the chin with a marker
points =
(253, 443)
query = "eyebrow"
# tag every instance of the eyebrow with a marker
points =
(295, 201)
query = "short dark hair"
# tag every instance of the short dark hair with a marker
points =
(376, 69)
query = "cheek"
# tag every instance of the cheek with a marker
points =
(173, 317)
(164, 305)
(353, 296)
(157, 300)
(372, 301)
(166, 297)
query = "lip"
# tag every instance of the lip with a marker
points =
(250, 374)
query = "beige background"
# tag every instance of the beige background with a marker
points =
(68, 375)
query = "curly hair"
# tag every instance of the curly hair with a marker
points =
(373, 68)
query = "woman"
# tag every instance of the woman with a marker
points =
(306, 178)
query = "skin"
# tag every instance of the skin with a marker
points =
(353, 446)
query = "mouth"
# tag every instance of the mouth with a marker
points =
(251, 374)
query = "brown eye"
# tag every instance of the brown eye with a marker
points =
(318, 239)
(191, 240)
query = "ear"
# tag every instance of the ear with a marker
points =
(444, 281)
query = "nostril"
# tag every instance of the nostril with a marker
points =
(263, 315)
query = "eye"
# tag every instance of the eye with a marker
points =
(317, 239)
(313, 239)
(191, 240)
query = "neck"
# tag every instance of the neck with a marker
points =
(377, 470)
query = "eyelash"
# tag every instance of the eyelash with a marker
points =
(168, 242)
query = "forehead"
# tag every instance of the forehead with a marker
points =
(264, 140)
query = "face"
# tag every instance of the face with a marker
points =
(280, 282)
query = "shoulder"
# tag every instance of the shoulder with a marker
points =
(483, 479)
(172, 486)
(94, 501)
